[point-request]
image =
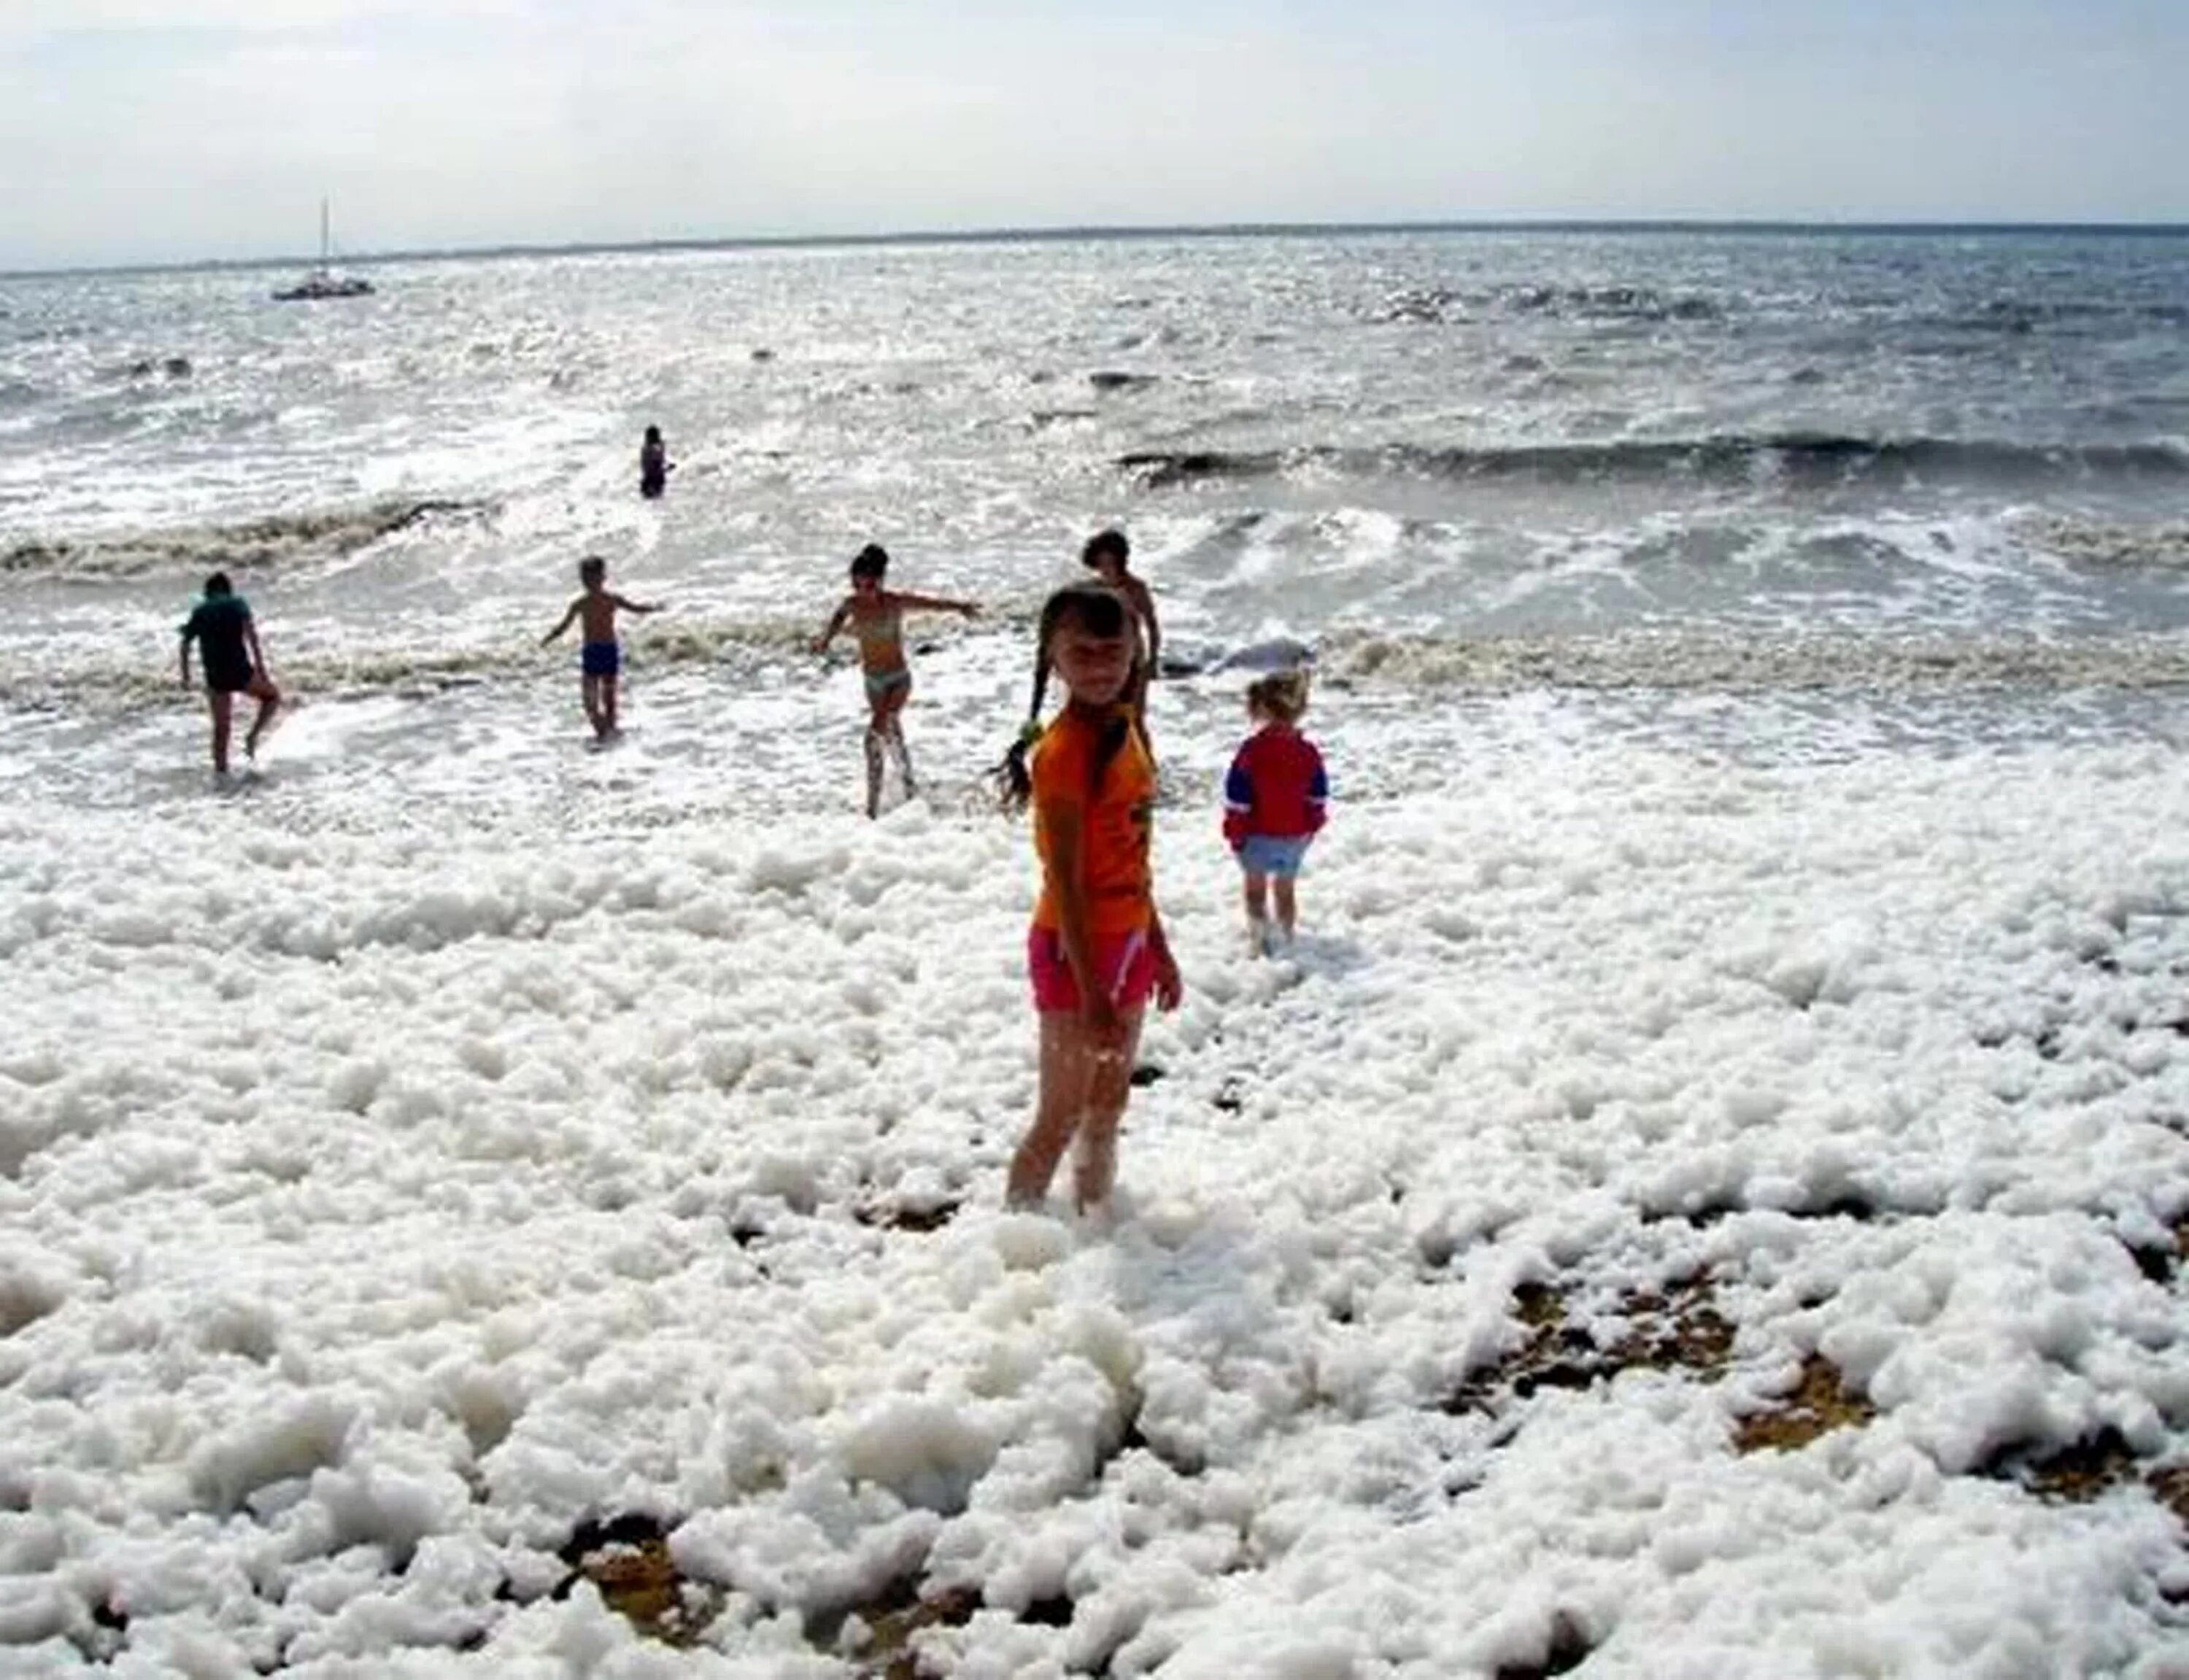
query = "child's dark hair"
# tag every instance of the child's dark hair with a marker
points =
(218, 584)
(1280, 696)
(592, 569)
(871, 562)
(1100, 612)
(1103, 545)
(654, 434)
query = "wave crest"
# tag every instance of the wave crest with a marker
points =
(413, 672)
(2106, 544)
(1726, 660)
(275, 540)
(1435, 305)
(1810, 460)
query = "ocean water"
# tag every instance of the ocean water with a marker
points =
(1907, 482)
(1443, 435)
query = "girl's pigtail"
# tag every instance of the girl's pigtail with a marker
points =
(1013, 781)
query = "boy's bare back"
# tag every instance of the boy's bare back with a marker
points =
(596, 611)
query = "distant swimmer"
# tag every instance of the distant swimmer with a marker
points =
(600, 658)
(1108, 555)
(654, 465)
(1275, 799)
(875, 616)
(234, 663)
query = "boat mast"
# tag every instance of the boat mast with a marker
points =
(326, 250)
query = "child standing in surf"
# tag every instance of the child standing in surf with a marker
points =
(1274, 802)
(654, 465)
(234, 663)
(600, 660)
(1096, 953)
(875, 616)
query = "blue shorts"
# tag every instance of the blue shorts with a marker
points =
(1276, 855)
(601, 659)
(880, 685)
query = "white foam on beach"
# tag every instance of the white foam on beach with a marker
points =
(385, 1196)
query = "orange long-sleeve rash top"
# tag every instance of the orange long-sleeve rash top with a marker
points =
(1115, 820)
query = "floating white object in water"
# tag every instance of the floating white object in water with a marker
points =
(1278, 653)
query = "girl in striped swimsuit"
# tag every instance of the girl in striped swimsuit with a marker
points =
(875, 615)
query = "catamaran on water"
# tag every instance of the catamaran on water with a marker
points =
(323, 281)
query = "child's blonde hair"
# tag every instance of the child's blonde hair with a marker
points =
(1280, 697)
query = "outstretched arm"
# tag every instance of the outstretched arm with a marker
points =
(836, 621)
(937, 604)
(257, 648)
(568, 617)
(640, 607)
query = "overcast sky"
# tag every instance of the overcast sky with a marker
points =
(163, 129)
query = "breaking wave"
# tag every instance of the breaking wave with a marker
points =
(2104, 544)
(2019, 315)
(1727, 660)
(1436, 304)
(733, 644)
(1813, 460)
(274, 541)
(1714, 657)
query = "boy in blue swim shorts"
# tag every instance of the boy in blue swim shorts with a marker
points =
(600, 660)
(1274, 802)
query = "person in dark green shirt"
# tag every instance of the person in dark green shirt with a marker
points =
(234, 663)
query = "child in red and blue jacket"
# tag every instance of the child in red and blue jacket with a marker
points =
(1274, 801)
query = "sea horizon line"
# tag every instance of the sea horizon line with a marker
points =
(1108, 232)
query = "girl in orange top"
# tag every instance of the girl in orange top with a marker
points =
(1096, 951)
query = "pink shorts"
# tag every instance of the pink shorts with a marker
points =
(1125, 963)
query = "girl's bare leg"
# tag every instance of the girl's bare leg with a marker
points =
(873, 769)
(1256, 894)
(1094, 1151)
(1067, 1068)
(223, 715)
(1287, 906)
(889, 723)
(903, 758)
